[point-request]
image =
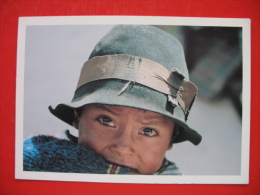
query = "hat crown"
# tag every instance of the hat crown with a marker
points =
(143, 41)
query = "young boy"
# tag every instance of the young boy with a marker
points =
(131, 104)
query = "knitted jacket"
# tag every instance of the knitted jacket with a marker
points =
(50, 154)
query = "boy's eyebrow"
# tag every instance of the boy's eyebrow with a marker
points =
(113, 111)
(152, 119)
(148, 119)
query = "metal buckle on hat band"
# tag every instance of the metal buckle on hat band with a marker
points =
(143, 71)
(173, 100)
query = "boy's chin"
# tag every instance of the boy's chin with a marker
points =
(134, 172)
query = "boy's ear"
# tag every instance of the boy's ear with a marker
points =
(75, 123)
(170, 146)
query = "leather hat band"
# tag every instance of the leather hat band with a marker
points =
(143, 71)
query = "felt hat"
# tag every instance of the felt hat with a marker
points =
(141, 67)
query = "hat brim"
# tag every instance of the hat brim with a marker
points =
(135, 96)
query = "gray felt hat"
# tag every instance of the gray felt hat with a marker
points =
(141, 67)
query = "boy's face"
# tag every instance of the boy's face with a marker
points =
(126, 136)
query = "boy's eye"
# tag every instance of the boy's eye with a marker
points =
(149, 132)
(106, 121)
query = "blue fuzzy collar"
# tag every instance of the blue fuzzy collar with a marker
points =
(50, 154)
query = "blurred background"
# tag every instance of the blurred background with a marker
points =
(214, 60)
(55, 54)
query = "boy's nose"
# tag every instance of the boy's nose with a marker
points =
(123, 144)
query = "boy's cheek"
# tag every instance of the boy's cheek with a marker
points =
(91, 141)
(150, 167)
(150, 162)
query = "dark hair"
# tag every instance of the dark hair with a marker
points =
(175, 133)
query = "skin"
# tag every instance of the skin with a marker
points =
(126, 136)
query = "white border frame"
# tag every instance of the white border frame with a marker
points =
(84, 20)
